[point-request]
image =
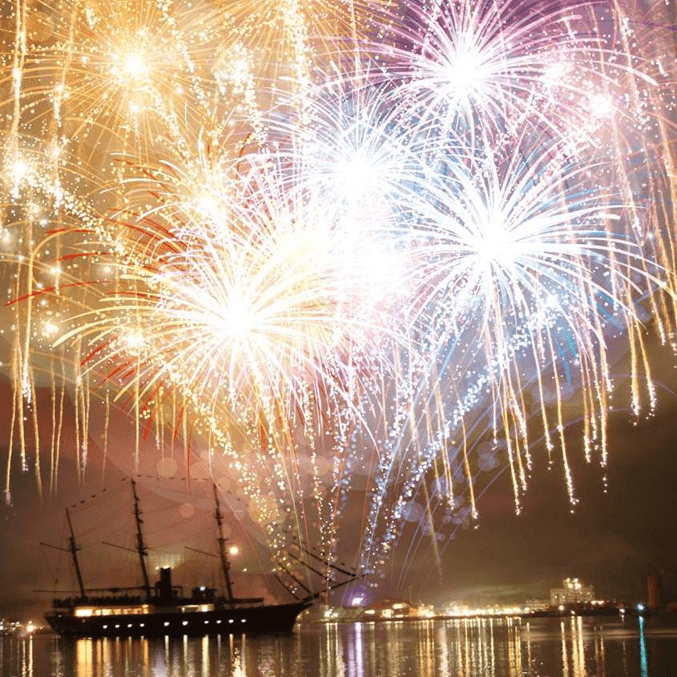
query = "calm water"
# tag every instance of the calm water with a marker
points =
(574, 647)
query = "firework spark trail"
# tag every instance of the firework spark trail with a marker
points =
(339, 241)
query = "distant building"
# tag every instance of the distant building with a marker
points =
(322, 613)
(385, 609)
(537, 604)
(653, 592)
(9, 627)
(572, 592)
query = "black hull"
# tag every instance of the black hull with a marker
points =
(172, 623)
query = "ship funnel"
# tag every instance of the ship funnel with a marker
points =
(164, 586)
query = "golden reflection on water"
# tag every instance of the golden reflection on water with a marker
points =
(568, 647)
(582, 648)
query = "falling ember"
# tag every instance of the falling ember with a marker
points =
(335, 251)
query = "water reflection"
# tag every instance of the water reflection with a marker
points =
(643, 663)
(570, 647)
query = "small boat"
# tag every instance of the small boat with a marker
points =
(161, 610)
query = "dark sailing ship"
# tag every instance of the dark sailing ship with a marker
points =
(161, 609)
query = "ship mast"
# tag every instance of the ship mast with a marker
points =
(225, 564)
(73, 548)
(140, 544)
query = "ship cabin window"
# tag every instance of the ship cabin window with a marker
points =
(197, 607)
(111, 611)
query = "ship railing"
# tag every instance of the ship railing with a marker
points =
(99, 600)
(239, 601)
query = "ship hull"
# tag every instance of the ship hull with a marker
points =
(172, 623)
